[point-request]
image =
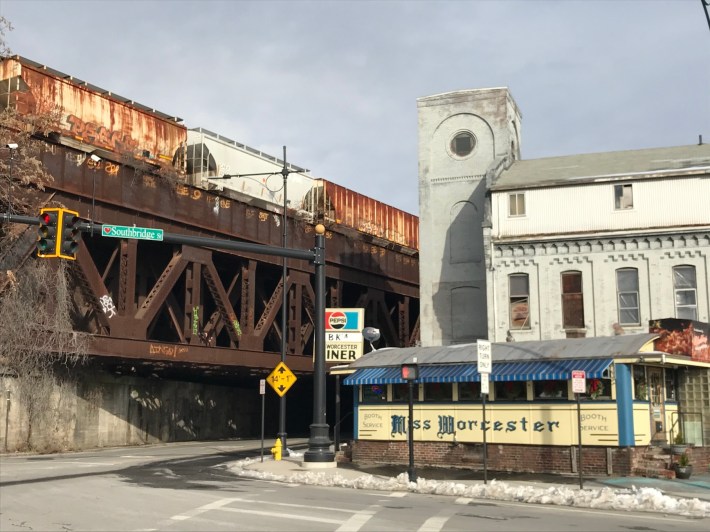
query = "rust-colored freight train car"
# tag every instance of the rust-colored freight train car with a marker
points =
(90, 118)
(333, 203)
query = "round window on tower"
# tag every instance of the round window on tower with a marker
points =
(462, 144)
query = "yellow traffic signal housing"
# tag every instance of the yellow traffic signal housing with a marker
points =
(59, 234)
(47, 232)
(70, 234)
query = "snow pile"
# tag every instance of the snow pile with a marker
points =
(639, 499)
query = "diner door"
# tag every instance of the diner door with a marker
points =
(656, 396)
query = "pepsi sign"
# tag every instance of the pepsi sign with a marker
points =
(344, 320)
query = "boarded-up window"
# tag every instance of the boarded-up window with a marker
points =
(466, 314)
(572, 301)
(623, 197)
(627, 292)
(685, 286)
(519, 286)
(464, 226)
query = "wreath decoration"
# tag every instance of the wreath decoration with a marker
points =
(595, 388)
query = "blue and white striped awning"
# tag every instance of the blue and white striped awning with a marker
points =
(542, 370)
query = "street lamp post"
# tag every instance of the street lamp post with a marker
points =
(281, 435)
(319, 453)
(284, 311)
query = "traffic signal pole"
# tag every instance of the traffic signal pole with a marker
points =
(198, 241)
(318, 452)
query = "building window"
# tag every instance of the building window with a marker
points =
(623, 197)
(670, 384)
(550, 389)
(400, 393)
(439, 392)
(511, 391)
(374, 393)
(469, 391)
(640, 384)
(572, 301)
(519, 289)
(627, 294)
(462, 144)
(685, 286)
(597, 389)
(516, 204)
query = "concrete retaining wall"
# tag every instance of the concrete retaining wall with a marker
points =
(94, 409)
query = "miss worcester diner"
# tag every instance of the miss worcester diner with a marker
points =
(636, 396)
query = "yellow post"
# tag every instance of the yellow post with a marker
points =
(276, 449)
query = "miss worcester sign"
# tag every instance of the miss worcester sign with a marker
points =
(544, 424)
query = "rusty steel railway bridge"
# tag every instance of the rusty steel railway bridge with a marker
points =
(179, 311)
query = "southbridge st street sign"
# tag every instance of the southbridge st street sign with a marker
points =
(125, 231)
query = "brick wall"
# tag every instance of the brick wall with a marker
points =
(596, 461)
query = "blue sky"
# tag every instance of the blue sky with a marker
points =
(337, 81)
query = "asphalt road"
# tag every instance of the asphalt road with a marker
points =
(187, 487)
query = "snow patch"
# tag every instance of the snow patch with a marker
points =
(639, 499)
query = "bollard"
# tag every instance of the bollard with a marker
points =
(276, 449)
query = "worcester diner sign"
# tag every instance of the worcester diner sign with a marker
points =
(343, 334)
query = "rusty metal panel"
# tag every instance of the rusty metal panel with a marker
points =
(91, 117)
(366, 215)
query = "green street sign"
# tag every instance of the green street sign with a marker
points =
(124, 231)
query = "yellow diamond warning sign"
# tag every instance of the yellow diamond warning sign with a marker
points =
(281, 379)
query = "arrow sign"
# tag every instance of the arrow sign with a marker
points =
(281, 379)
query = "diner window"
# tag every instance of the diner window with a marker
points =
(469, 391)
(511, 391)
(623, 197)
(374, 393)
(400, 392)
(640, 383)
(685, 286)
(598, 389)
(627, 295)
(438, 392)
(550, 389)
(516, 204)
(519, 289)
(572, 301)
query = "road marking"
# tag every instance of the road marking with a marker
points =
(357, 521)
(463, 500)
(293, 505)
(290, 516)
(434, 524)
(397, 494)
(216, 505)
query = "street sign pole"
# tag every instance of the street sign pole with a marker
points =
(579, 440)
(579, 386)
(262, 391)
(485, 365)
(485, 446)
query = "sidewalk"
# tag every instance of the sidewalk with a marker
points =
(293, 469)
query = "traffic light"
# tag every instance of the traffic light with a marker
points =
(410, 372)
(47, 233)
(70, 234)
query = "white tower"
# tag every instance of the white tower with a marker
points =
(465, 139)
